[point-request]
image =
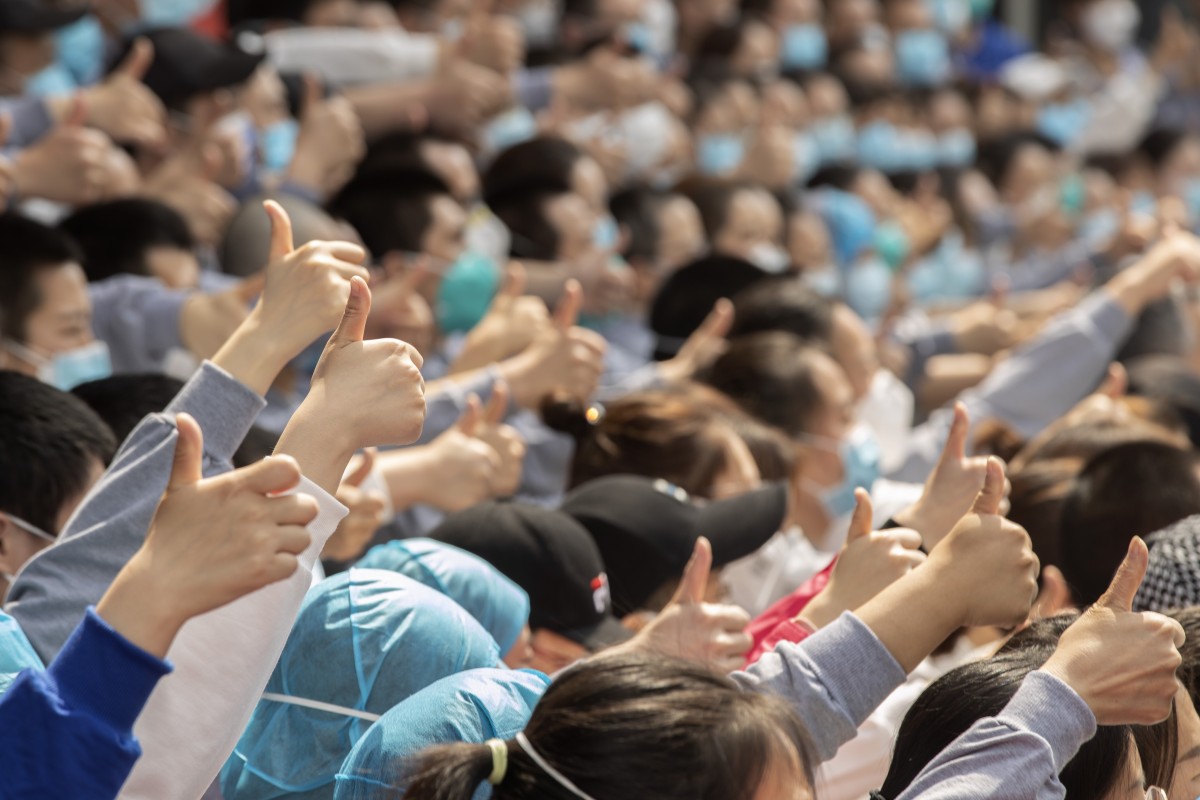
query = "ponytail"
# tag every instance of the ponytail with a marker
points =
(450, 772)
(564, 413)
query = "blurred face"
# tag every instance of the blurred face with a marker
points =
(796, 12)
(1030, 170)
(553, 653)
(740, 473)
(757, 55)
(732, 110)
(854, 349)
(681, 233)
(754, 219)
(949, 111)
(1185, 784)
(847, 20)
(905, 15)
(575, 222)
(832, 421)
(588, 181)
(22, 56)
(61, 322)
(520, 655)
(1182, 166)
(333, 14)
(264, 97)
(870, 66)
(453, 164)
(827, 97)
(444, 237)
(785, 102)
(175, 267)
(809, 245)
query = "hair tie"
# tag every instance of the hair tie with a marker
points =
(499, 761)
(594, 414)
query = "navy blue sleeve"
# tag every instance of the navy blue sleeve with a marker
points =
(68, 731)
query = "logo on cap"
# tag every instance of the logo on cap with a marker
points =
(670, 489)
(601, 597)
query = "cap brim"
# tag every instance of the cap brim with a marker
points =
(41, 18)
(741, 525)
(604, 634)
(231, 69)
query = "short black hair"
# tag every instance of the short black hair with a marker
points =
(1171, 381)
(782, 304)
(533, 236)
(26, 248)
(123, 401)
(997, 155)
(390, 208)
(48, 442)
(540, 165)
(1158, 145)
(637, 209)
(115, 236)
(714, 199)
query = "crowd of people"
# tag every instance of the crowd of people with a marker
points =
(601, 399)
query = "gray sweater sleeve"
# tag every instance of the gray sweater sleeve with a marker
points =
(834, 679)
(54, 588)
(1016, 754)
(1037, 385)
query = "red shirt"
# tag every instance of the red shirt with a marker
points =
(778, 623)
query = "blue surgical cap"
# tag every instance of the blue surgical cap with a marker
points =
(469, 707)
(16, 653)
(364, 641)
(496, 603)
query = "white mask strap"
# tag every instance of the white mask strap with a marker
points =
(317, 705)
(545, 767)
(31, 529)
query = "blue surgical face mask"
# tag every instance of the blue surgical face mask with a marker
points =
(607, 233)
(53, 81)
(639, 37)
(466, 292)
(277, 144)
(1097, 229)
(803, 47)
(956, 148)
(881, 146)
(920, 150)
(1144, 203)
(807, 158)
(836, 138)
(1191, 197)
(68, 369)
(508, 129)
(951, 16)
(80, 48)
(719, 153)
(922, 57)
(851, 223)
(860, 454)
(1062, 123)
(172, 13)
(869, 288)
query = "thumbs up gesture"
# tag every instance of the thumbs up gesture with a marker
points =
(708, 633)
(124, 107)
(330, 144)
(71, 164)
(366, 508)
(869, 562)
(211, 541)
(1122, 664)
(512, 322)
(495, 42)
(986, 563)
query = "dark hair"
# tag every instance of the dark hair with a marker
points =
(542, 164)
(658, 434)
(1158, 145)
(637, 209)
(1039, 491)
(48, 443)
(1171, 381)
(714, 199)
(390, 208)
(963, 696)
(533, 234)
(1189, 670)
(631, 726)
(772, 376)
(782, 304)
(28, 247)
(115, 236)
(241, 12)
(123, 401)
(997, 156)
(1126, 491)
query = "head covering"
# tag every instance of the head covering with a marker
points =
(16, 653)
(688, 296)
(37, 16)
(186, 64)
(469, 707)
(646, 530)
(550, 556)
(365, 640)
(1173, 573)
(496, 603)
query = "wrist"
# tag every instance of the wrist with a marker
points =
(252, 354)
(518, 373)
(820, 611)
(151, 626)
(321, 446)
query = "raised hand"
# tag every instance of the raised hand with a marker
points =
(356, 529)
(460, 469)
(398, 308)
(363, 394)
(707, 633)
(189, 183)
(563, 356)
(1122, 664)
(869, 562)
(505, 440)
(71, 164)
(951, 488)
(466, 95)
(987, 563)
(703, 347)
(495, 42)
(124, 107)
(211, 541)
(330, 144)
(512, 322)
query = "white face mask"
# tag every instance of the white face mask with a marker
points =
(539, 22)
(769, 257)
(1111, 24)
(887, 409)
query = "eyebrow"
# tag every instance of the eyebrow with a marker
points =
(1193, 753)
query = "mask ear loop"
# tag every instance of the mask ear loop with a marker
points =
(544, 765)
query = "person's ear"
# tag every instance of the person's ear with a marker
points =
(1055, 594)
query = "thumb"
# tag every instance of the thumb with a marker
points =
(566, 313)
(1116, 382)
(210, 162)
(76, 114)
(282, 241)
(999, 295)
(987, 503)
(694, 584)
(864, 515)
(468, 423)
(717, 324)
(956, 442)
(513, 287)
(313, 95)
(365, 465)
(353, 327)
(497, 406)
(137, 63)
(5, 128)
(187, 468)
(1128, 579)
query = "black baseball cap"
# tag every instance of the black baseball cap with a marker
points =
(551, 557)
(187, 63)
(37, 16)
(687, 297)
(647, 529)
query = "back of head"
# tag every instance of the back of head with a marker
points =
(542, 164)
(123, 401)
(28, 247)
(1171, 381)
(247, 243)
(50, 443)
(390, 208)
(782, 304)
(633, 726)
(1129, 490)
(116, 236)
(364, 640)
(1039, 491)
(687, 297)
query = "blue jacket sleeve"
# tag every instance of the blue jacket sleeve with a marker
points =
(68, 731)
